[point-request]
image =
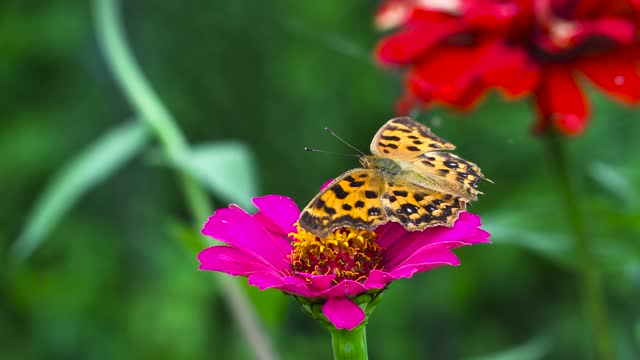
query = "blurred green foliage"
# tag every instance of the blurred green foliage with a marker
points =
(113, 281)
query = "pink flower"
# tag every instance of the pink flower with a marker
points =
(456, 50)
(272, 252)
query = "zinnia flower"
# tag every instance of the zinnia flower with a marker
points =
(274, 253)
(458, 49)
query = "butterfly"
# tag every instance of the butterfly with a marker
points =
(408, 179)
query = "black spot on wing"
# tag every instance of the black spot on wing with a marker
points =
(330, 211)
(359, 204)
(400, 193)
(346, 207)
(356, 184)
(413, 148)
(370, 194)
(450, 164)
(389, 145)
(390, 138)
(374, 211)
(408, 209)
(339, 191)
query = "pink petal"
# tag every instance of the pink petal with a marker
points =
(479, 237)
(378, 279)
(390, 233)
(344, 288)
(473, 219)
(318, 283)
(232, 261)
(279, 209)
(439, 236)
(237, 228)
(425, 261)
(343, 313)
(289, 284)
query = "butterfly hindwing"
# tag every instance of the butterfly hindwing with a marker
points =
(461, 175)
(405, 138)
(351, 200)
(417, 207)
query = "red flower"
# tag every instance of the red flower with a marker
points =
(457, 49)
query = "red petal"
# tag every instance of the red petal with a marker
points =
(407, 46)
(617, 72)
(620, 30)
(459, 75)
(560, 101)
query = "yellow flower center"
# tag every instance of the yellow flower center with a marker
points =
(346, 253)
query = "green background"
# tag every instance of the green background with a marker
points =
(113, 279)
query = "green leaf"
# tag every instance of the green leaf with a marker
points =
(534, 349)
(614, 181)
(88, 169)
(227, 169)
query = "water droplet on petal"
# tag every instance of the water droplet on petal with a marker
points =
(619, 80)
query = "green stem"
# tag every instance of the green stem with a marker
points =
(157, 117)
(349, 345)
(593, 297)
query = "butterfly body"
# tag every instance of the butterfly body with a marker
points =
(408, 180)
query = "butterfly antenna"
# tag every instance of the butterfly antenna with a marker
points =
(329, 152)
(343, 141)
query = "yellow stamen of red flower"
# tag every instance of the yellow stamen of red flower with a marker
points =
(346, 253)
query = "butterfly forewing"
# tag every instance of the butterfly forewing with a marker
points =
(351, 200)
(404, 138)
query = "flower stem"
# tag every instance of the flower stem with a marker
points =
(592, 292)
(349, 345)
(157, 117)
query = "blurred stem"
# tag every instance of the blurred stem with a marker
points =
(593, 297)
(157, 117)
(349, 345)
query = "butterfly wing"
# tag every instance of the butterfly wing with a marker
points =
(404, 138)
(351, 200)
(416, 207)
(451, 173)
